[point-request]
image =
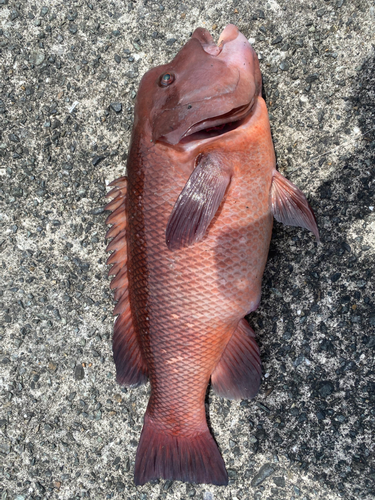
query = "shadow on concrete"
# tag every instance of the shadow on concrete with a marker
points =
(322, 415)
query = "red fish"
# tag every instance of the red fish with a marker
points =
(191, 227)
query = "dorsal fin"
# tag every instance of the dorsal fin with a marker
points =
(131, 369)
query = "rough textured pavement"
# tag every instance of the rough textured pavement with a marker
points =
(69, 72)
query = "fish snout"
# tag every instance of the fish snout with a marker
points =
(229, 34)
(207, 42)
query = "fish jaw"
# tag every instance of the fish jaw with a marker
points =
(252, 132)
(212, 84)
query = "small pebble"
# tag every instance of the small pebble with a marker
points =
(14, 138)
(284, 66)
(79, 372)
(37, 57)
(116, 106)
(277, 40)
(265, 471)
(96, 160)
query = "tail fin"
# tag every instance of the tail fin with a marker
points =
(192, 459)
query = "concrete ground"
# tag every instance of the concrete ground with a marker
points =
(69, 72)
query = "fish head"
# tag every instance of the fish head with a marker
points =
(205, 87)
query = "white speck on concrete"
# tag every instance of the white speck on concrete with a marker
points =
(73, 106)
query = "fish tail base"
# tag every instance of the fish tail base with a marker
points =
(192, 459)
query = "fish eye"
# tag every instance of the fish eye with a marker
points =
(166, 79)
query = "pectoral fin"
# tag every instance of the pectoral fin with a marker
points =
(197, 203)
(289, 205)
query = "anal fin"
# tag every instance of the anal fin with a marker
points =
(131, 369)
(238, 373)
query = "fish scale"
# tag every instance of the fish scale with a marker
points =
(190, 291)
(191, 229)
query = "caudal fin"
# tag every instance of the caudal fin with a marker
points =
(193, 459)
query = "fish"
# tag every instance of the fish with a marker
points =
(190, 230)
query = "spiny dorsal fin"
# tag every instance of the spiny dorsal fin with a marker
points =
(131, 369)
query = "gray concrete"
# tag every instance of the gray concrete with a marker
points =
(67, 430)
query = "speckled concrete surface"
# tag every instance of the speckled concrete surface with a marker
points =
(69, 73)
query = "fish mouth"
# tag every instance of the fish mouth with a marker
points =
(219, 125)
